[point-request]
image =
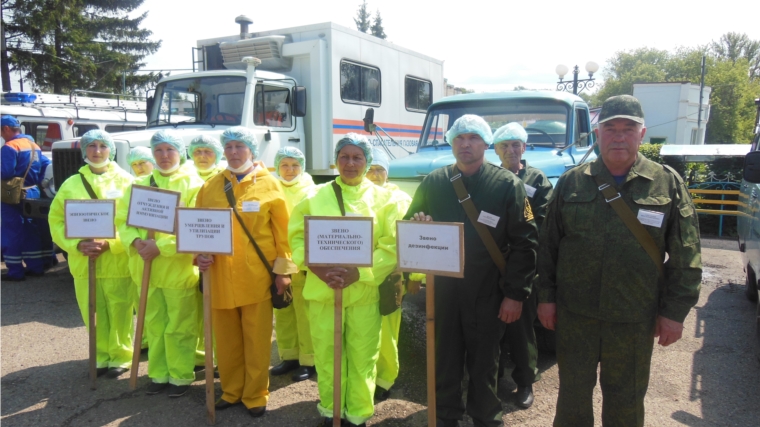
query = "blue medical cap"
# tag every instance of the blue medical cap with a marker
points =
(140, 153)
(97, 135)
(470, 123)
(359, 141)
(379, 158)
(293, 153)
(206, 141)
(244, 135)
(510, 132)
(168, 137)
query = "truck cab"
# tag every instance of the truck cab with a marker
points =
(558, 126)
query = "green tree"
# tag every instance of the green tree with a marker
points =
(627, 68)
(377, 27)
(362, 18)
(734, 46)
(62, 45)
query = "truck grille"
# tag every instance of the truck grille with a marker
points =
(66, 162)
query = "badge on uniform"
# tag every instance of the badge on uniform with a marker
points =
(528, 211)
(114, 194)
(252, 206)
(488, 219)
(650, 218)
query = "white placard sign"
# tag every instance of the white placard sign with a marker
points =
(153, 208)
(90, 219)
(204, 231)
(430, 247)
(338, 241)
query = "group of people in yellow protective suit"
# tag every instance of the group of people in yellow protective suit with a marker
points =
(268, 239)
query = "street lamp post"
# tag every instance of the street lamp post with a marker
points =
(577, 85)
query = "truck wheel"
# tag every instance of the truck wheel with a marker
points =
(545, 339)
(751, 282)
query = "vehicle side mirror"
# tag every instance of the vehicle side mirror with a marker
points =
(299, 104)
(369, 120)
(752, 167)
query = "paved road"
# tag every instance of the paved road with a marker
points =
(710, 378)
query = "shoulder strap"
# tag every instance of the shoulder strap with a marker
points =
(472, 214)
(615, 200)
(88, 187)
(32, 154)
(339, 195)
(232, 203)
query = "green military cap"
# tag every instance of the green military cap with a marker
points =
(621, 107)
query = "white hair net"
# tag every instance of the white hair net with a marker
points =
(140, 153)
(244, 135)
(206, 141)
(168, 137)
(97, 135)
(359, 141)
(379, 158)
(510, 132)
(470, 123)
(291, 152)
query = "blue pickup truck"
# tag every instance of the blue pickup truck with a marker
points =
(558, 126)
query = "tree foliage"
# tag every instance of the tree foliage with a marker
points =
(362, 19)
(377, 27)
(60, 45)
(731, 69)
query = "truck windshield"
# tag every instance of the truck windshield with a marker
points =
(200, 100)
(544, 120)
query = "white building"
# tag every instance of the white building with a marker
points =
(671, 111)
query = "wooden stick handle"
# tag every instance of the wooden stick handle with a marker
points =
(337, 356)
(210, 408)
(430, 330)
(92, 304)
(141, 319)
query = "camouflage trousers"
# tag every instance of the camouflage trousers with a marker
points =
(623, 353)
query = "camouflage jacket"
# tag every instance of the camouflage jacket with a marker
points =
(538, 184)
(590, 263)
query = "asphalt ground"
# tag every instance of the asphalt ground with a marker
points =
(709, 378)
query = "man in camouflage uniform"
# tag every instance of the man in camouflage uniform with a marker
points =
(519, 340)
(599, 287)
(471, 312)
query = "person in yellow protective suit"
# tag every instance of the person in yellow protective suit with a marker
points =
(171, 317)
(141, 161)
(240, 295)
(292, 323)
(113, 284)
(361, 313)
(387, 363)
(206, 151)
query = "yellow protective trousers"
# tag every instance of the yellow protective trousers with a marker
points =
(244, 341)
(387, 362)
(292, 326)
(171, 321)
(361, 345)
(114, 319)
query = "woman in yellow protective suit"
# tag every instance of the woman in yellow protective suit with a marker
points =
(141, 161)
(292, 323)
(206, 152)
(113, 285)
(240, 295)
(361, 314)
(171, 317)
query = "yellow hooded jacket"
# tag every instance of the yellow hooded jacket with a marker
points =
(242, 279)
(170, 270)
(294, 193)
(112, 184)
(365, 199)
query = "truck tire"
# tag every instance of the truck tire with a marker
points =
(751, 282)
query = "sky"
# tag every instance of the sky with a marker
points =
(487, 46)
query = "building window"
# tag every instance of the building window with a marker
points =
(658, 140)
(418, 94)
(694, 136)
(359, 84)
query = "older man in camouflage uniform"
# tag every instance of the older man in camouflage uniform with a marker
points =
(600, 287)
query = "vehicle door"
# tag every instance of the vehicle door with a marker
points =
(582, 135)
(275, 125)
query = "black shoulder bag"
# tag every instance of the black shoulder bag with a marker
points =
(391, 288)
(278, 301)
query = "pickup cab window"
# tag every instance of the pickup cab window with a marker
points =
(201, 100)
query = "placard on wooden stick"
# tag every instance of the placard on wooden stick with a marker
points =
(153, 208)
(430, 247)
(89, 219)
(338, 241)
(204, 231)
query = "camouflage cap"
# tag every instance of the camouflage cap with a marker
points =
(621, 107)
